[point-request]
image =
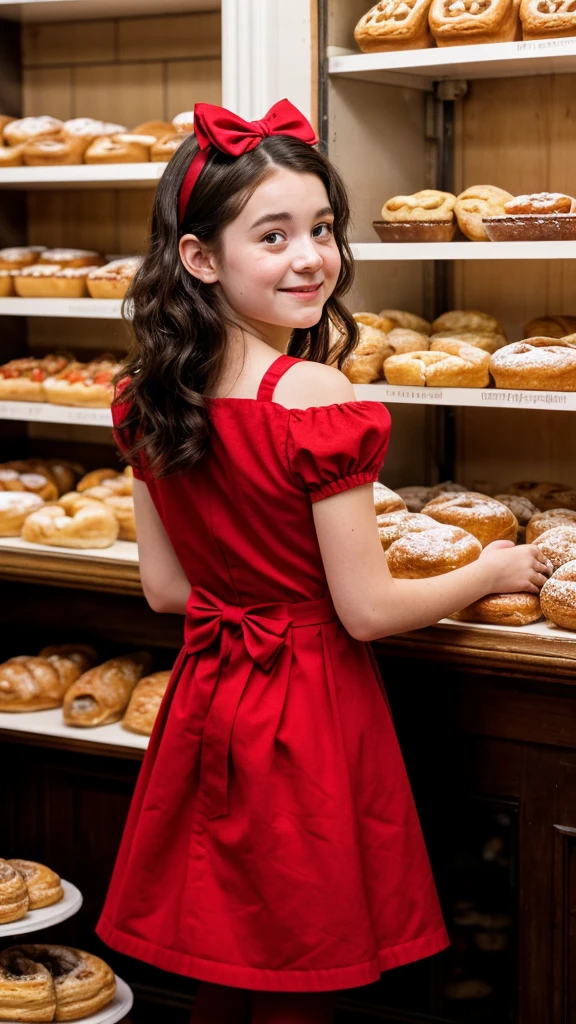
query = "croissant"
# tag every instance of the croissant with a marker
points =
(14, 898)
(47, 982)
(101, 695)
(43, 884)
(38, 683)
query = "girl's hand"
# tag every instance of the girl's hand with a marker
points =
(515, 570)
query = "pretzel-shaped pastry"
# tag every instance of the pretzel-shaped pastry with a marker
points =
(543, 18)
(427, 205)
(393, 525)
(459, 22)
(449, 363)
(394, 25)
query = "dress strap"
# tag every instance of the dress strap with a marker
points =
(270, 379)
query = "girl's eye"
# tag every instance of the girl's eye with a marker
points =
(273, 238)
(323, 230)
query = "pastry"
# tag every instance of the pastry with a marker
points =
(27, 128)
(6, 283)
(96, 477)
(402, 340)
(87, 129)
(539, 204)
(486, 340)
(410, 321)
(386, 500)
(49, 982)
(38, 683)
(554, 326)
(546, 495)
(415, 497)
(84, 384)
(22, 380)
(469, 22)
(71, 258)
(44, 886)
(14, 899)
(184, 122)
(145, 703)
(502, 610)
(54, 282)
(35, 483)
(122, 505)
(15, 507)
(558, 596)
(477, 202)
(432, 553)
(101, 695)
(427, 205)
(89, 524)
(540, 522)
(447, 487)
(522, 508)
(19, 256)
(123, 148)
(394, 25)
(466, 320)
(164, 148)
(483, 517)
(381, 323)
(52, 150)
(4, 120)
(393, 525)
(538, 364)
(63, 475)
(364, 364)
(156, 128)
(558, 544)
(112, 280)
(449, 363)
(542, 19)
(12, 156)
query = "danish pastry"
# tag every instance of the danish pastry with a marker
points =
(51, 150)
(112, 280)
(38, 683)
(466, 320)
(544, 18)
(123, 148)
(448, 364)
(394, 25)
(540, 522)
(415, 497)
(558, 596)
(83, 384)
(538, 364)
(386, 500)
(145, 703)
(19, 256)
(22, 380)
(43, 884)
(393, 525)
(71, 258)
(502, 610)
(48, 982)
(35, 483)
(558, 544)
(44, 281)
(184, 122)
(26, 128)
(464, 22)
(87, 129)
(102, 694)
(427, 205)
(477, 202)
(15, 507)
(540, 203)
(483, 517)
(432, 553)
(12, 156)
(364, 364)
(554, 326)
(165, 147)
(14, 899)
(410, 321)
(91, 524)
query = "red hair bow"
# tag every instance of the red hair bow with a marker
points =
(218, 127)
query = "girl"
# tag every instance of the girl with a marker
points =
(272, 849)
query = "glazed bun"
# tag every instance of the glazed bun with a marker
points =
(432, 553)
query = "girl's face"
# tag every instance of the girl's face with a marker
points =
(278, 261)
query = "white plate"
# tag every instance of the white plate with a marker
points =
(35, 920)
(115, 1011)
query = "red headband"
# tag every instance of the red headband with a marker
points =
(218, 127)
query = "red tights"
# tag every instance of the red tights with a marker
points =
(217, 1004)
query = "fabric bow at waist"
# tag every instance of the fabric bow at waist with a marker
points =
(230, 640)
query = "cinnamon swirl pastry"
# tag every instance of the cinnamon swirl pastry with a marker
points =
(43, 884)
(49, 982)
(14, 897)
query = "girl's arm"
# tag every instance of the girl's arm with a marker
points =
(166, 588)
(371, 603)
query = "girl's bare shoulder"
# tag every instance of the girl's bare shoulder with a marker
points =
(308, 384)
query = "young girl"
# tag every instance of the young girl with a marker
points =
(272, 849)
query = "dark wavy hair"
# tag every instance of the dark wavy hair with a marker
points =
(179, 324)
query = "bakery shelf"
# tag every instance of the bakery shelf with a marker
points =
(143, 175)
(93, 309)
(419, 68)
(487, 398)
(50, 724)
(45, 412)
(36, 920)
(78, 10)
(464, 250)
(114, 569)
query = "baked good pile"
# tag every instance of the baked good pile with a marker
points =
(46, 982)
(417, 24)
(463, 349)
(52, 502)
(482, 213)
(46, 141)
(91, 692)
(34, 271)
(428, 531)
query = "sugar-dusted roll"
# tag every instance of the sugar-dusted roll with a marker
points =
(537, 364)
(386, 500)
(484, 517)
(502, 610)
(558, 596)
(432, 553)
(393, 525)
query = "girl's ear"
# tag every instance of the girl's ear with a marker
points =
(198, 260)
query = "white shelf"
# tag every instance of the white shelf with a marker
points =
(493, 398)
(124, 551)
(73, 10)
(50, 723)
(542, 628)
(45, 412)
(419, 68)
(36, 920)
(93, 309)
(143, 175)
(464, 250)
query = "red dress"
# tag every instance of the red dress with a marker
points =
(272, 842)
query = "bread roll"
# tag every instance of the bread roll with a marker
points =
(558, 596)
(488, 341)
(71, 258)
(184, 122)
(553, 326)
(145, 703)
(522, 508)
(101, 695)
(558, 544)
(38, 683)
(447, 487)
(502, 610)
(393, 525)
(156, 128)
(43, 884)
(427, 205)
(432, 553)
(466, 320)
(537, 364)
(483, 517)
(364, 364)
(381, 323)
(449, 363)
(54, 150)
(409, 321)
(540, 522)
(95, 477)
(386, 500)
(112, 280)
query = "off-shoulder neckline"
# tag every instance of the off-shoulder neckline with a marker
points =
(294, 408)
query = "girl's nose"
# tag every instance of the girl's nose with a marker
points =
(306, 256)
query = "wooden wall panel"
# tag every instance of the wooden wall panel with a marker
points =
(169, 38)
(69, 42)
(128, 93)
(188, 82)
(48, 91)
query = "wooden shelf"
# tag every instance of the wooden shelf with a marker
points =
(45, 412)
(486, 398)
(92, 309)
(420, 68)
(143, 175)
(79, 10)
(394, 251)
(48, 727)
(114, 569)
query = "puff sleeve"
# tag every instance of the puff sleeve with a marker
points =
(119, 411)
(332, 448)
